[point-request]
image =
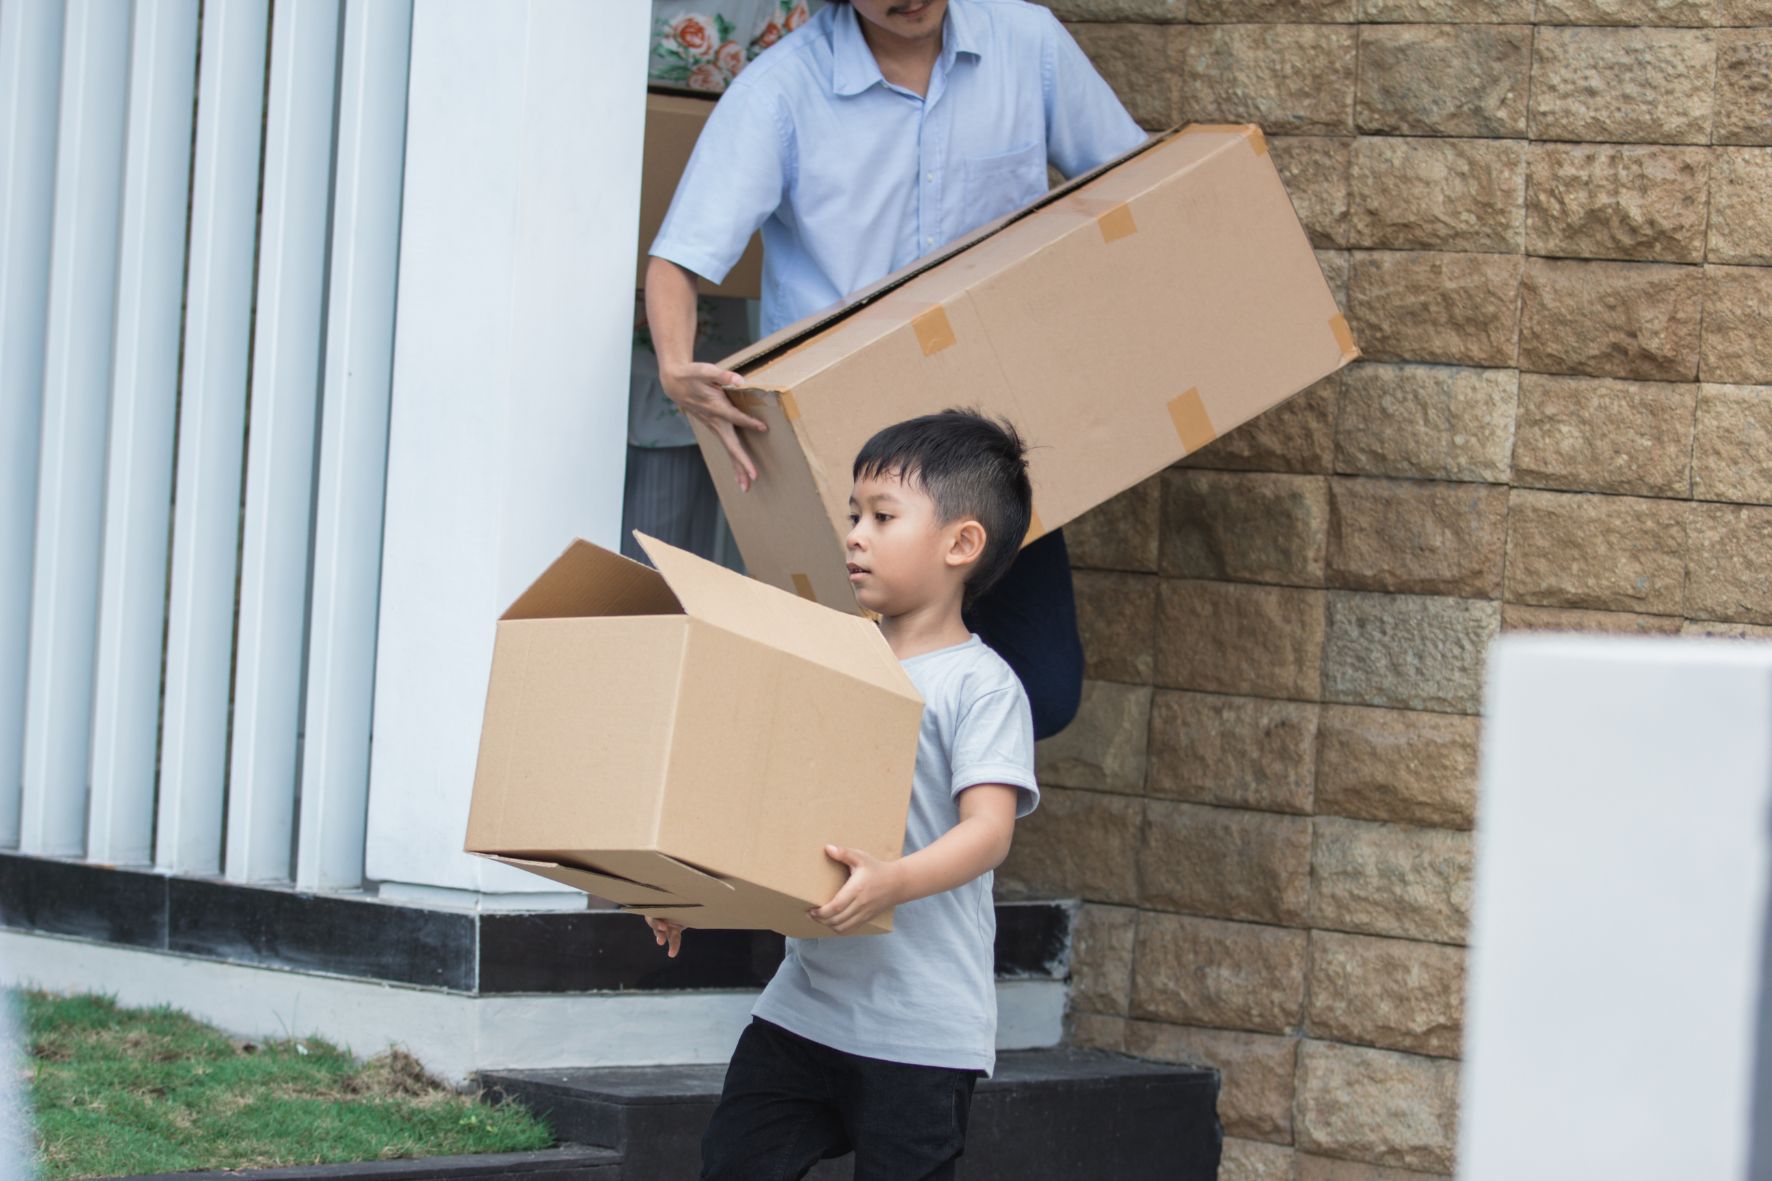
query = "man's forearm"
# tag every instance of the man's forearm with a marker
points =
(670, 312)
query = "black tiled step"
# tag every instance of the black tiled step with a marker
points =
(1045, 1114)
(559, 1164)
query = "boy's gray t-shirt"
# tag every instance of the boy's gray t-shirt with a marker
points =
(924, 994)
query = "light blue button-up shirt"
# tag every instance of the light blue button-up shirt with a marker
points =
(851, 177)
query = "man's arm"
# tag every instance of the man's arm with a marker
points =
(974, 846)
(697, 388)
(1086, 124)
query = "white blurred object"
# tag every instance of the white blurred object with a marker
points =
(1617, 1017)
(18, 1153)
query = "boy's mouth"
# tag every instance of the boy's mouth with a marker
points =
(856, 572)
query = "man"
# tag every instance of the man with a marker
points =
(879, 131)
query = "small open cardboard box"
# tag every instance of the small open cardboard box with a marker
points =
(685, 741)
(674, 120)
(1124, 320)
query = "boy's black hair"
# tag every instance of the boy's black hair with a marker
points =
(971, 466)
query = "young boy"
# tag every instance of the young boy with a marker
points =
(874, 1044)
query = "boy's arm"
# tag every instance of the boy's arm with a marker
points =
(974, 846)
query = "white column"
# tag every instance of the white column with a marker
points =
(30, 82)
(510, 377)
(354, 442)
(144, 388)
(76, 398)
(212, 414)
(280, 458)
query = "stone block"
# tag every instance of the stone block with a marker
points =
(1681, 13)
(1607, 553)
(1227, 637)
(1095, 1031)
(1116, 618)
(1712, 630)
(1141, 63)
(1392, 880)
(1730, 553)
(1443, 79)
(1456, 309)
(1397, 765)
(1225, 863)
(1077, 844)
(1741, 206)
(1732, 445)
(1611, 319)
(1298, 435)
(1633, 85)
(1149, 12)
(1737, 325)
(1407, 651)
(1335, 266)
(1293, 79)
(1102, 945)
(1272, 11)
(1621, 201)
(1744, 86)
(1447, 12)
(1120, 534)
(1437, 194)
(1103, 749)
(1742, 12)
(1217, 974)
(1258, 1072)
(1416, 536)
(1427, 421)
(1325, 1168)
(1377, 1106)
(1315, 169)
(1244, 526)
(1395, 994)
(1592, 434)
(1241, 752)
(1518, 617)
(1253, 1160)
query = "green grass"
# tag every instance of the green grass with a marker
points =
(117, 1091)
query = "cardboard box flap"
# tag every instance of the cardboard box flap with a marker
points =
(588, 580)
(786, 338)
(607, 886)
(747, 607)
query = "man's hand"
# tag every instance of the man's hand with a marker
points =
(665, 931)
(873, 888)
(699, 390)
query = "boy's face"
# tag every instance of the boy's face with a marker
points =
(901, 556)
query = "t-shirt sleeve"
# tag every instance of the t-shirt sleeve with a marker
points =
(1086, 124)
(735, 179)
(994, 743)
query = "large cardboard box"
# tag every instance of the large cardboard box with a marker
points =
(674, 120)
(685, 741)
(1126, 319)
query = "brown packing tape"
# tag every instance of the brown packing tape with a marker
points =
(1257, 140)
(803, 588)
(1036, 529)
(790, 409)
(1344, 336)
(1117, 223)
(934, 333)
(1193, 426)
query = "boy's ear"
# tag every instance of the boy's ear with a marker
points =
(965, 543)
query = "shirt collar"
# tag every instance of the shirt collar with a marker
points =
(853, 68)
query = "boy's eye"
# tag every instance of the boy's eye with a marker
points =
(882, 517)
(854, 518)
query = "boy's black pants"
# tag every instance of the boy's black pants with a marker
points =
(789, 1103)
(1030, 619)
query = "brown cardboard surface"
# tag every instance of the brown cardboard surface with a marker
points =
(1121, 322)
(690, 739)
(674, 119)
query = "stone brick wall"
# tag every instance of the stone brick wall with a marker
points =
(1550, 224)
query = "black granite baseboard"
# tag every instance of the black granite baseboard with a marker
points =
(462, 951)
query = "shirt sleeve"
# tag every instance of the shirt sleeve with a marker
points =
(994, 743)
(736, 177)
(1086, 124)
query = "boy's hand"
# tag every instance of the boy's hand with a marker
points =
(665, 931)
(872, 889)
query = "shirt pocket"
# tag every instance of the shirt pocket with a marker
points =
(1001, 184)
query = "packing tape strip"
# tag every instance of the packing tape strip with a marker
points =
(1117, 223)
(1344, 336)
(1036, 528)
(934, 332)
(1193, 426)
(803, 587)
(790, 409)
